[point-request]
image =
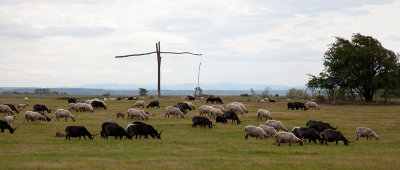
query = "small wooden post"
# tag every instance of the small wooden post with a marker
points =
(159, 67)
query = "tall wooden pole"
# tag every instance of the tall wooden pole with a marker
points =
(158, 51)
(159, 66)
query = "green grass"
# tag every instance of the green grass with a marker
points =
(34, 146)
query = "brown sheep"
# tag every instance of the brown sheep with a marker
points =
(120, 114)
(60, 134)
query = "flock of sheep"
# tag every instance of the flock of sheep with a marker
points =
(271, 127)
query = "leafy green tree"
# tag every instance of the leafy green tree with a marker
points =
(361, 65)
(143, 91)
(297, 94)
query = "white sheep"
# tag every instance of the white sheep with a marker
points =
(366, 132)
(311, 104)
(72, 106)
(191, 105)
(170, 110)
(6, 109)
(219, 107)
(22, 105)
(264, 113)
(139, 103)
(33, 116)
(8, 119)
(254, 132)
(234, 108)
(83, 107)
(270, 131)
(136, 113)
(205, 109)
(276, 124)
(62, 113)
(241, 106)
(216, 112)
(287, 137)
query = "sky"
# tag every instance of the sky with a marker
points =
(59, 43)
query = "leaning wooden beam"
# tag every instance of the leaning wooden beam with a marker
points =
(135, 54)
(180, 53)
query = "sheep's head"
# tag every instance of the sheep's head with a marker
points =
(301, 143)
(73, 118)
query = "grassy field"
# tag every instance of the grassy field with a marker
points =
(34, 146)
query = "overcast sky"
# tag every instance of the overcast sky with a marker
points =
(59, 43)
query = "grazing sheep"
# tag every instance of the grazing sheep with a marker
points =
(287, 137)
(139, 103)
(219, 107)
(235, 108)
(205, 109)
(60, 134)
(264, 113)
(153, 104)
(191, 105)
(6, 109)
(8, 119)
(241, 106)
(220, 119)
(84, 107)
(136, 113)
(22, 105)
(366, 132)
(311, 104)
(120, 114)
(307, 133)
(231, 115)
(202, 121)
(33, 116)
(170, 110)
(276, 124)
(330, 135)
(62, 113)
(72, 106)
(216, 112)
(254, 132)
(262, 101)
(270, 131)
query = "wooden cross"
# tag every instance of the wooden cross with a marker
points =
(158, 51)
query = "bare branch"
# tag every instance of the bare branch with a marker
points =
(181, 53)
(135, 54)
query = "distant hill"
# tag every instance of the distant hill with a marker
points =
(88, 91)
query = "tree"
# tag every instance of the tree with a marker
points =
(297, 94)
(142, 91)
(265, 93)
(252, 92)
(360, 66)
(106, 95)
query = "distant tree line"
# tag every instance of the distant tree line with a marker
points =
(37, 91)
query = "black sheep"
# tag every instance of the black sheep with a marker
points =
(77, 131)
(307, 133)
(319, 125)
(40, 108)
(153, 104)
(98, 105)
(299, 105)
(202, 121)
(103, 127)
(5, 125)
(114, 130)
(232, 115)
(290, 106)
(330, 135)
(220, 119)
(142, 129)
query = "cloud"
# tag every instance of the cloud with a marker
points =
(69, 43)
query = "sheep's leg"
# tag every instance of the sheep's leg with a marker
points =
(246, 137)
(337, 142)
(290, 144)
